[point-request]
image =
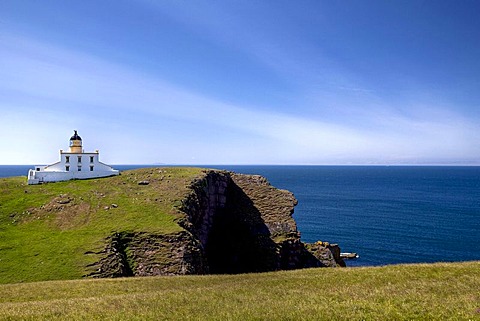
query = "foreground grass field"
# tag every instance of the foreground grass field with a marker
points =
(402, 292)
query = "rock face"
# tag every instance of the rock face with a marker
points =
(232, 223)
(142, 254)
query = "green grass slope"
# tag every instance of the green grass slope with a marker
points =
(403, 292)
(52, 231)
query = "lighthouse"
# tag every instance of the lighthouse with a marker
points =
(74, 164)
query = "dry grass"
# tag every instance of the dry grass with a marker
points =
(402, 292)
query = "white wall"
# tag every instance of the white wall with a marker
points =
(45, 176)
(90, 167)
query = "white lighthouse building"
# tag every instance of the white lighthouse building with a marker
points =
(73, 164)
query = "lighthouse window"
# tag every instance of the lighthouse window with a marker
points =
(79, 169)
(91, 159)
(79, 159)
(91, 168)
(67, 159)
(67, 168)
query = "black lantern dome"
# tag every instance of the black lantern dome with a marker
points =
(75, 136)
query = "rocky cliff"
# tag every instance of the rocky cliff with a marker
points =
(232, 224)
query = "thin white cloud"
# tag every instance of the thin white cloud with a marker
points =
(120, 104)
(275, 42)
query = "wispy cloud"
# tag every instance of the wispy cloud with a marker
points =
(143, 118)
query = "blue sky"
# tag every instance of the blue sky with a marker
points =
(241, 82)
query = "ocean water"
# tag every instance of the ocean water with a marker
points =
(387, 214)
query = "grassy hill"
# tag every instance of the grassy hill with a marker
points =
(56, 231)
(401, 292)
(53, 231)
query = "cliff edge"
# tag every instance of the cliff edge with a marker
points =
(231, 223)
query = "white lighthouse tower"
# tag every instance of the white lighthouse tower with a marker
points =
(73, 164)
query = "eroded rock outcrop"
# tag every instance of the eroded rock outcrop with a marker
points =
(142, 254)
(233, 223)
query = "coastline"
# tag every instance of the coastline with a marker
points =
(388, 215)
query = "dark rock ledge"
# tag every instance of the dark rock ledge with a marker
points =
(233, 223)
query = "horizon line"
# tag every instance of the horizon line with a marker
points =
(294, 164)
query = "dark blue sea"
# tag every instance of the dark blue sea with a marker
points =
(387, 214)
